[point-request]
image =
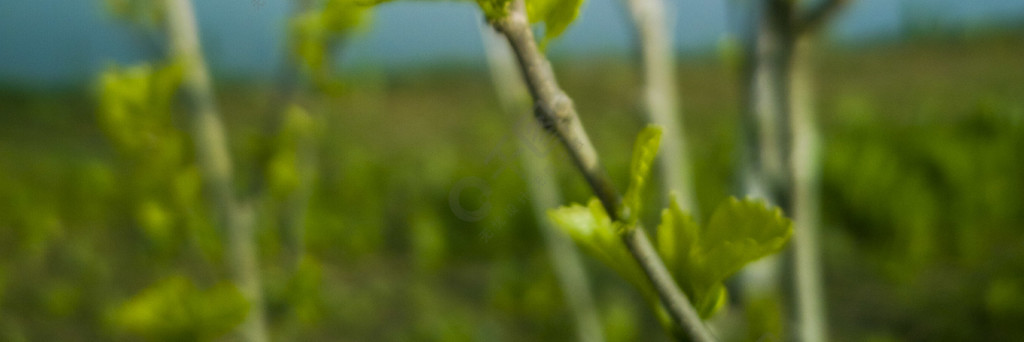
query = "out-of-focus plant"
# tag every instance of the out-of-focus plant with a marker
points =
(135, 111)
(284, 170)
(318, 31)
(175, 309)
(148, 13)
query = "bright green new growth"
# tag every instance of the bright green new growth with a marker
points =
(555, 14)
(591, 226)
(284, 170)
(175, 309)
(644, 151)
(740, 232)
(135, 112)
(700, 259)
(135, 103)
(315, 32)
(596, 233)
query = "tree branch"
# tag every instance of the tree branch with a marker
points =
(555, 110)
(565, 259)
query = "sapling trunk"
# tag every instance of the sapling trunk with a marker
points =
(660, 100)
(762, 140)
(544, 195)
(766, 104)
(806, 165)
(556, 112)
(235, 219)
(787, 167)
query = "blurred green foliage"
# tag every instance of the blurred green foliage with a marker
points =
(148, 13)
(922, 180)
(318, 30)
(175, 310)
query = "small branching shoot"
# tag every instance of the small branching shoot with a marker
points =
(699, 258)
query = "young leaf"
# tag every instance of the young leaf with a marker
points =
(677, 236)
(742, 231)
(592, 229)
(644, 151)
(555, 14)
(739, 232)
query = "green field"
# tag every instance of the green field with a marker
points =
(923, 204)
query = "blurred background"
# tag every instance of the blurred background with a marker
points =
(105, 232)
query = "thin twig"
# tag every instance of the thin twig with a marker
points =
(565, 259)
(557, 113)
(805, 170)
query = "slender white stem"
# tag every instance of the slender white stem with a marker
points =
(762, 137)
(235, 219)
(660, 97)
(806, 170)
(787, 169)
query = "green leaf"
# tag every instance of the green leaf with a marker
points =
(592, 229)
(677, 236)
(738, 233)
(644, 151)
(743, 231)
(555, 14)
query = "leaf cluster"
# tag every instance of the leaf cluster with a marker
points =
(700, 258)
